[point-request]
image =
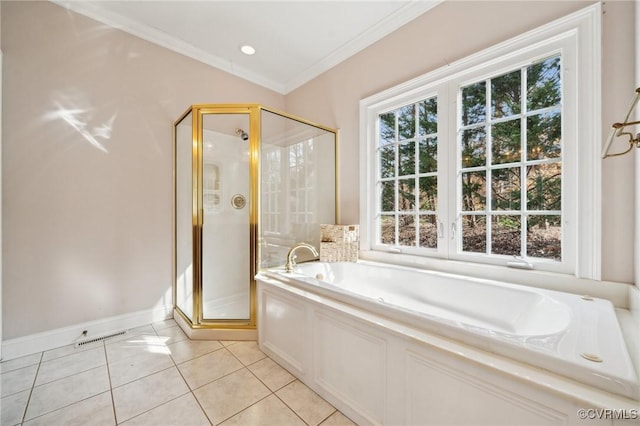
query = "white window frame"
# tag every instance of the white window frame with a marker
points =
(577, 38)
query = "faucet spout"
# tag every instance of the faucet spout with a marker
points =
(291, 255)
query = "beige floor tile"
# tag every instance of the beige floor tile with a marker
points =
(172, 335)
(136, 345)
(271, 374)
(338, 419)
(305, 402)
(207, 368)
(70, 350)
(149, 392)
(96, 411)
(268, 412)
(229, 342)
(161, 325)
(182, 411)
(189, 349)
(16, 363)
(69, 390)
(17, 380)
(138, 331)
(229, 395)
(138, 366)
(70, 364)
(247, 352)
(12, 408)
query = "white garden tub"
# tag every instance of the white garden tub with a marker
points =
(573, 336)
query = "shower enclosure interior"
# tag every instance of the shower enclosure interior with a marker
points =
(249, 183)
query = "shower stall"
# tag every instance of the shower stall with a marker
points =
(249, 182)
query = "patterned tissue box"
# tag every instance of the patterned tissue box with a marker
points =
(339, 243)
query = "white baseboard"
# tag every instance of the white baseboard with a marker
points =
(44, 341)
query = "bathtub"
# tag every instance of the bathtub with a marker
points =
(570, 339)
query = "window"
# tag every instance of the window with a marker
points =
(408, 175)
(480, 161)
(510, 169)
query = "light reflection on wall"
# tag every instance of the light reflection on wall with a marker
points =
(79, 119)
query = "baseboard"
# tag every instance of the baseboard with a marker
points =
(44, 341)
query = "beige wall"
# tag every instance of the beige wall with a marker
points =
(87, 201)
(450, 32)
(87, 227)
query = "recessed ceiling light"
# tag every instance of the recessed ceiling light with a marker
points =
(247, 50)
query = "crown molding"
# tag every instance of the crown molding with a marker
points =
(386, 26)
(152, 35)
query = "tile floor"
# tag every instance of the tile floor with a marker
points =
(154, 375)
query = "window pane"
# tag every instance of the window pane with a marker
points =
(474, 191)
(387, 128)
(544, 187)
(543, 84)
(428, 118)
(407, 159)
(428, 152)
(505, 235)
(505, 189)
(474, 99)
(428, 231)
(544, 236)
(474, 234)
(388, 230)
(406, 122)
(387, 199)
(544, 136)
(407, 230)
(505, 95)
(506, 142)
(428, 194)
(474, 147)
(387, 161)
(406, 194)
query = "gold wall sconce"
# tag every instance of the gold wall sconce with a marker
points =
(617, 130)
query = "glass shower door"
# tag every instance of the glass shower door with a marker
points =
(226, 239)
(184, 264)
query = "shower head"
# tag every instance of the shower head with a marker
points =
(242, 134)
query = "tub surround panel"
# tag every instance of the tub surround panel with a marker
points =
(424, 367)
(350, 363)
(436, 378)
(282, 332)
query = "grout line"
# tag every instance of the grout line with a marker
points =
(191, 390)
(290, 408)
(113, 402)
(245, 408)
(326, 418)
(26, 407)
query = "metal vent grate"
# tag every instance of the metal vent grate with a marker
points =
(97, 339)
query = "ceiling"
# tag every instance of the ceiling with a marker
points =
(295, 41)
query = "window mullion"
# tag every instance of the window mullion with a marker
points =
(416, 171)
(488, 150)
(396, 188)
(523, 166)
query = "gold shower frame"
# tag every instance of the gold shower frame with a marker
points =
(255, 115)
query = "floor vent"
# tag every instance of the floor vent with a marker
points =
(98, 339)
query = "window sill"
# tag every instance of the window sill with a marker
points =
(617, 293)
